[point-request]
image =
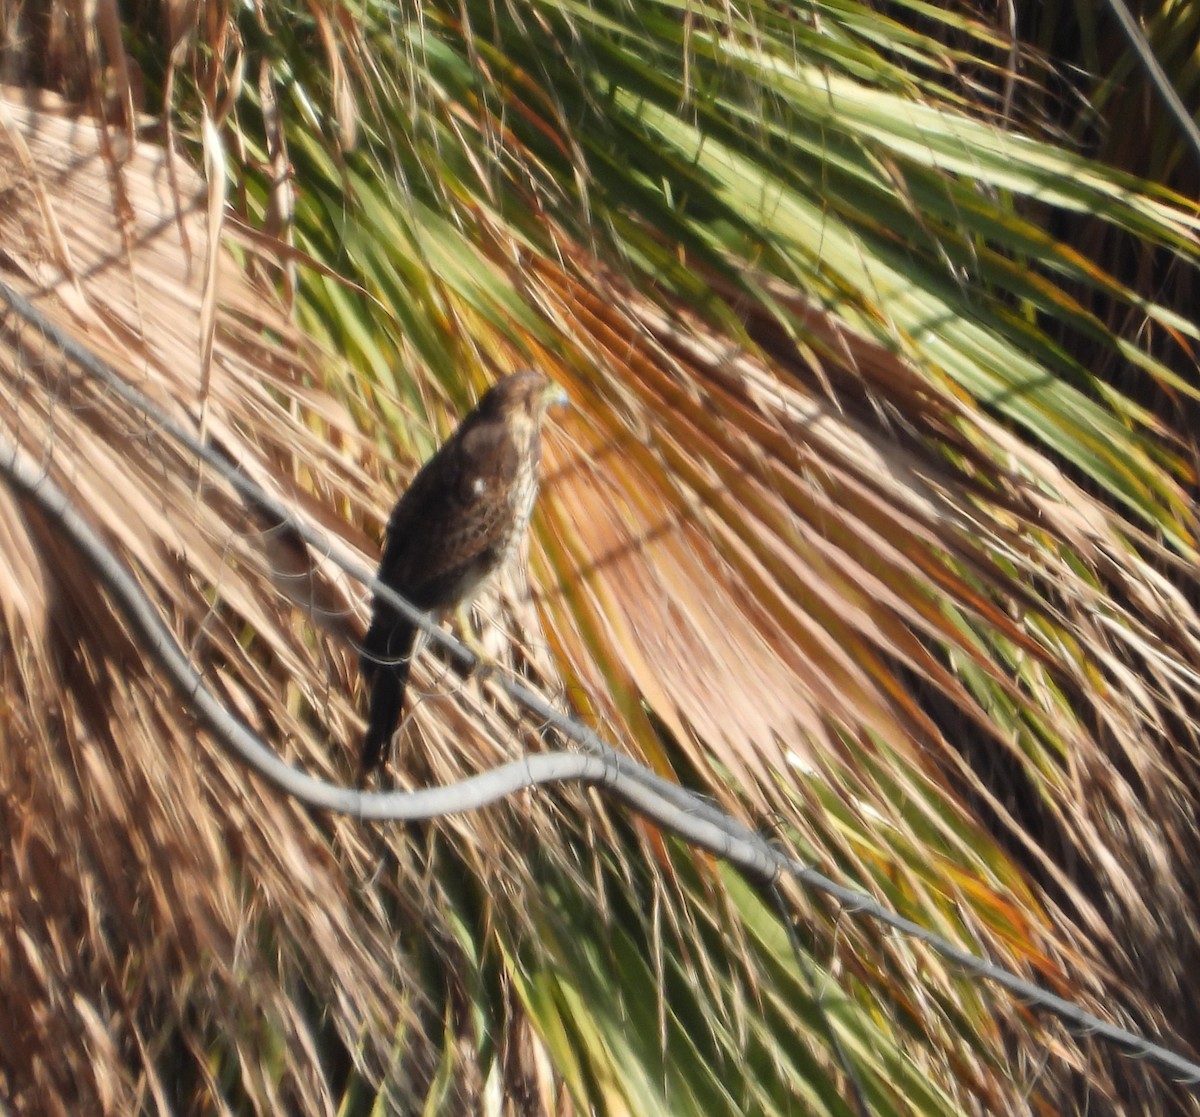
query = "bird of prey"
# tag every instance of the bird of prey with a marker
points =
(461, 519)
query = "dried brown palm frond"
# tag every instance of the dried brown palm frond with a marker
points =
(153, 893)
(810, 554)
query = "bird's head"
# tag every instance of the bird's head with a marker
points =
(523, 394)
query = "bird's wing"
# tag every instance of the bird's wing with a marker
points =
(452, 513)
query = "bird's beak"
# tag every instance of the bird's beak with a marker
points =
(555, 395)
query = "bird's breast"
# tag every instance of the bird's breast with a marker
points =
(524, 496)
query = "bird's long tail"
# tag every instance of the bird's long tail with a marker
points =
(386, 657)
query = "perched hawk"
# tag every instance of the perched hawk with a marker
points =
(461, 519)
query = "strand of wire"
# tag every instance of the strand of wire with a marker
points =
(677, 810)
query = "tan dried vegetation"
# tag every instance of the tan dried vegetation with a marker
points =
(146, 871)
(762, 579)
